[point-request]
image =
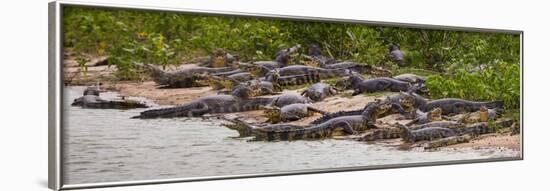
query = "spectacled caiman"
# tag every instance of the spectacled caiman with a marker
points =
(399, 103)
(260, 68)
(288, 132)
(348, 124)
(238, 101)
(396, 55)
(319, 91)
(432, 133)
(184, 78)
(290, 112)
(91, 99)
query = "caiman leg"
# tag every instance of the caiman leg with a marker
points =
(346, 127)
(398, 108)
(198, 112)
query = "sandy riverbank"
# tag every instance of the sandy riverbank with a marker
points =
(167, 97)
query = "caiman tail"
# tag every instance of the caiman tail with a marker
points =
(182, 110)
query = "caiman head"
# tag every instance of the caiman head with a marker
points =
(217, 83)
(435, 114)
(254, 69)
(313, 50)
(242, 92)
(343, 83)
(272, 113)
(218, 58)
(483, 114)
(383, 108)
(273, 76)
(407, 102)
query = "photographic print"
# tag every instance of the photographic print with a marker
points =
(154, 95)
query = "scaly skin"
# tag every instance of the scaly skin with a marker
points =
(288, 132)
(444, 124)
(455, 106)
(396, 55)
(410, 78)
(377, 85)
(226, 82)
(260, 68)
(359, 68)
(302, 70)
(400, 103)
(182, 78)
(95, 102)
(287, 99)
(380, 134)
(483, 115)
(237, 102)
(319, 91)
(314, 54)
(433, 133)
(292, 80)
(290, 112)
(219, 59)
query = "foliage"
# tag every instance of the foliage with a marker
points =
(500, 81)
(470, 65)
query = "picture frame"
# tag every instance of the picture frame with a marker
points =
(56, 127)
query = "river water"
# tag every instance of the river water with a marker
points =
(107, 146)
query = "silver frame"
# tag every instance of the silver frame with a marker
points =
(55, 83)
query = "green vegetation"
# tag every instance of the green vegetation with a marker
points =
(469, 65)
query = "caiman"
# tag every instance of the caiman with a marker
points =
(483, 115)
(360, 68)
(91, 99)
(411, 78)
(237, 102)
(184, 78)
(288, 132)
(396, 55)
(433, 133)
(259, 87)
(456, 106)
(290, 112)
(400, 103)
(377, 85)
(228, 82)
(260, 68)
(287, 99)
(319, 91)
(219, 59)
(95, 102)
(314, 53)
(304, 70)
(426, 117)
(292, 80)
